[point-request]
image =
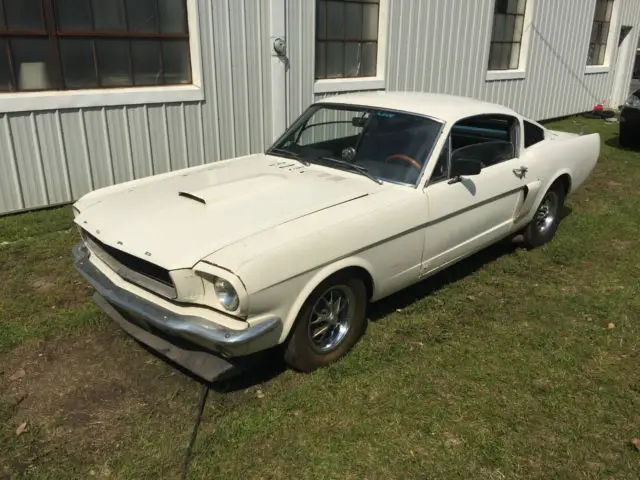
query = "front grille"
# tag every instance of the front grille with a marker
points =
(131, 268)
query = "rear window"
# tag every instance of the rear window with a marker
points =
(532, 134)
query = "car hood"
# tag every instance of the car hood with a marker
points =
(176, 220)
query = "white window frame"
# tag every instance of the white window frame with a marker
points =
(525, 46)
(336, 85)
(106, 97)
(612, 41)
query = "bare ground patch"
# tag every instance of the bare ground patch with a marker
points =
(82, 396)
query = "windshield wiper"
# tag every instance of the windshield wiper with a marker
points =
(356, 168)
(289, 154)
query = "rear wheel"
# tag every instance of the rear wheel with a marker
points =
(330, 323)
(545, 222)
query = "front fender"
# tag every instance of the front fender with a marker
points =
(318, 277)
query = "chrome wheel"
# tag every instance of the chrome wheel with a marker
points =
(331, 318)
(547, 212)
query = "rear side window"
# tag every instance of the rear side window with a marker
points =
(532, 134)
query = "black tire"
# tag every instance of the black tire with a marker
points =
(306, 355)
(545, 222)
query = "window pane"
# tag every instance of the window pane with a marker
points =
(109, 15)
(512, 6)
(514, 60)
(592, 54)
(335, 25)
(498, 27)
(352, 58)
(501, 6)
(370, 22)
(320, 59)
(78, 64)
(31, 63)
(6, 83)
(321, 19)
(609, 10)
(147, 69)
(335, 59)
(353, 16)
(509, 27)
(369, 59)
(176, 61)
(143, 16)
(113, 62)
(604, 33)
(74, 15)
(23, 14)
(601, 53)
(522, 6)
(173, 16)
(505, 56)
(517, 32)
(499, 56)
(601, 10)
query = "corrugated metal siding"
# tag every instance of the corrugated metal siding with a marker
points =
(434, 45)
(54, 157)
(443, 46)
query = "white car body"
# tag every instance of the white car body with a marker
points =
(275, 228)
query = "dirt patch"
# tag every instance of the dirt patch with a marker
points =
(621, 244)
(42, 284)
(82, 396)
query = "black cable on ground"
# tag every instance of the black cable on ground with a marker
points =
(194, 434)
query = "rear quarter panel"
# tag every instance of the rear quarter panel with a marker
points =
(573, 155)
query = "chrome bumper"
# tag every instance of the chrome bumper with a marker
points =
(200, 331)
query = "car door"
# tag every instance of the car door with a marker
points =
(468, 213)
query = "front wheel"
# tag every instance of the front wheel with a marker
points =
(330, 323)
(545, 222)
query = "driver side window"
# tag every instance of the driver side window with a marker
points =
(488, 139)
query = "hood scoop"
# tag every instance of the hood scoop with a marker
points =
(192, 197)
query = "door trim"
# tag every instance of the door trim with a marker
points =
(278, 22)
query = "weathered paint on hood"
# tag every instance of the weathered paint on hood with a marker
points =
(177, 220)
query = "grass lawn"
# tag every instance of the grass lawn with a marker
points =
(501, 367)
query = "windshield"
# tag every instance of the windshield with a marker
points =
(386, 145)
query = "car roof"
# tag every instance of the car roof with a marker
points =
(447, 108)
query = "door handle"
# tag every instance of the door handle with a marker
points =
(520, 172)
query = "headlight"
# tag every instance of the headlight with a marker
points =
(227, 295)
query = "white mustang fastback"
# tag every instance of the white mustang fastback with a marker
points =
(364, 195)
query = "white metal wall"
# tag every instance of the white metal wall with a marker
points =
(451, 51)
(54, 157)
(443, 46)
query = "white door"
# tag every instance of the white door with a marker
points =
(467, 213)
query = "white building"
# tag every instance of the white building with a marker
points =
(94, 92)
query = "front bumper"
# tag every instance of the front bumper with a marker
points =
(199, 331)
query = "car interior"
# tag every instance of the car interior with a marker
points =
(393, 146)
(488, 139)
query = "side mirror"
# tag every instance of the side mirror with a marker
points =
(463, 167)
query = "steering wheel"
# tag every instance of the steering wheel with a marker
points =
(406, 158)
